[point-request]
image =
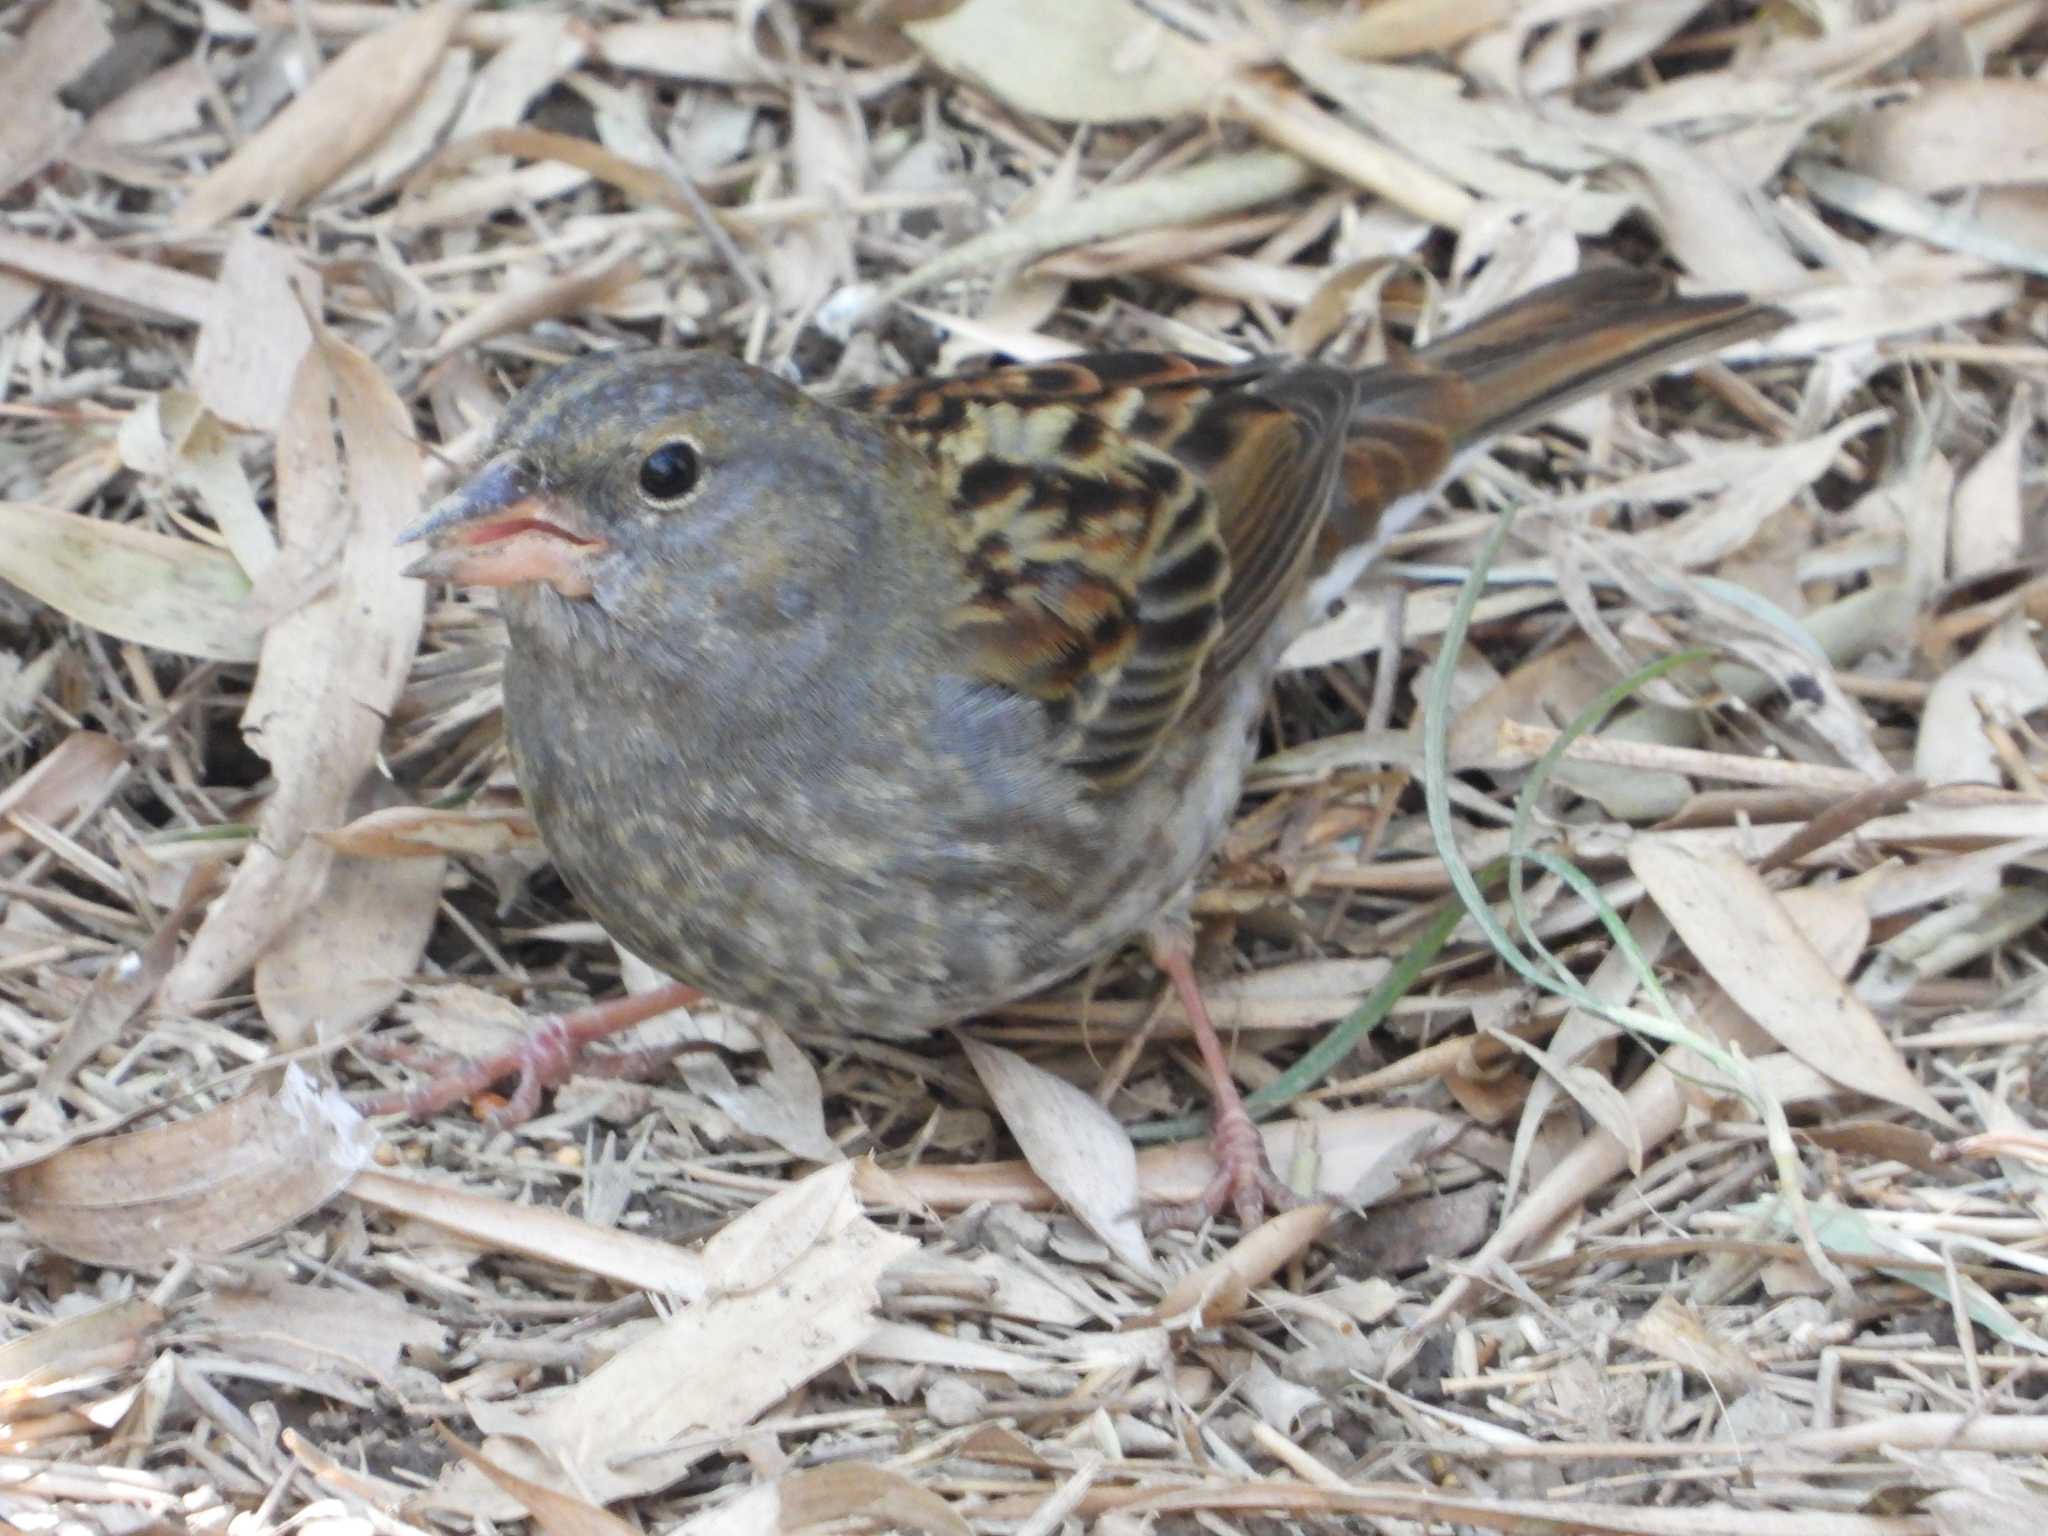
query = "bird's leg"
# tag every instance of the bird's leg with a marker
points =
(1244, 1180)
(546, 1058)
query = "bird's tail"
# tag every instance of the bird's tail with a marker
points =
(1527, 360)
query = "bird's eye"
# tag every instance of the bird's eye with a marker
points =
(669, 472)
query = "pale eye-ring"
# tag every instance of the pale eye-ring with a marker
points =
(669, 472)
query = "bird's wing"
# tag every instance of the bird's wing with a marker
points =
(1128, 526)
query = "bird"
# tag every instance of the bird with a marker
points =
(877, 710)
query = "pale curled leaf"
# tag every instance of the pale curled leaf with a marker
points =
(1740, 932)
(1072, 1143)
(167, 593)
(207, 1185)
(1221, 1289)
(250, 346)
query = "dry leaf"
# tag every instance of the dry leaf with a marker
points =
(709, 1369)
(126, 283)
(1221, 1289)
(542, 1234)
(345, 956)
(59, 45)
(1072, 1143)
(1742, 936)
(854, 1490)
(1077, 61)
(207, 1185)
(332, 669)
(70, 776)
(104, 1338)
(341, 114)
(557, 1513)
(423, 832)
(167, 593)
(2004, 678)
(1956, 133)
(315, 1328)
(250, 347)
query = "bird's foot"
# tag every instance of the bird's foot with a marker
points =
(1245, 1183)
(555, 1051)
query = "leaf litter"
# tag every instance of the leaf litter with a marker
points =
(1677, 1235)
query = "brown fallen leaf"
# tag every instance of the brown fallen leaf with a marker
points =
(207, 1185)
(345, 110)
(1221, 1289)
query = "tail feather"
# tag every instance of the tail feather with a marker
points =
(1417, 416)
(1588, 334)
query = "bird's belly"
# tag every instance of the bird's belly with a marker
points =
(890, 910)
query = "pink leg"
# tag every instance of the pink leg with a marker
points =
(544, 1059)
(1243, 1181)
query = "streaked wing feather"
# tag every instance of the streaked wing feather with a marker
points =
(1129, 525)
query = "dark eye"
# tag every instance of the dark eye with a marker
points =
(669, 472)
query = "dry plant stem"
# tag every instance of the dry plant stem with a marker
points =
(544, 1059)
(1244, 1181)
(1838, 821)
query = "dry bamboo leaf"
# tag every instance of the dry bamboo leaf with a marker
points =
(1673, 1331)
(344, 957)
(347, 108)
(709, 1369)
(1072, 1143)
(517, 308)
(70, 776)
(1835, 922)
(59, 45)
(170, 594)
(174, 436)
(550, 1236)
(702, 48)
(251, 345)
(207, 1185)
(853, 1490)
(1394, 29)
(784, 1104)
(1745, 940)
(359, 1333)
(1986, 529)
(422, 832)
(1956, 133)
(157, 291)
(105, 1338)
(524, 71)
(166, 104)
(331, 670)
(2004, 678)
(1220, 1290)
(558, 1514)
(123, 987)
(1076, 61)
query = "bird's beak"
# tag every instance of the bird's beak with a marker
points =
(499, 530)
